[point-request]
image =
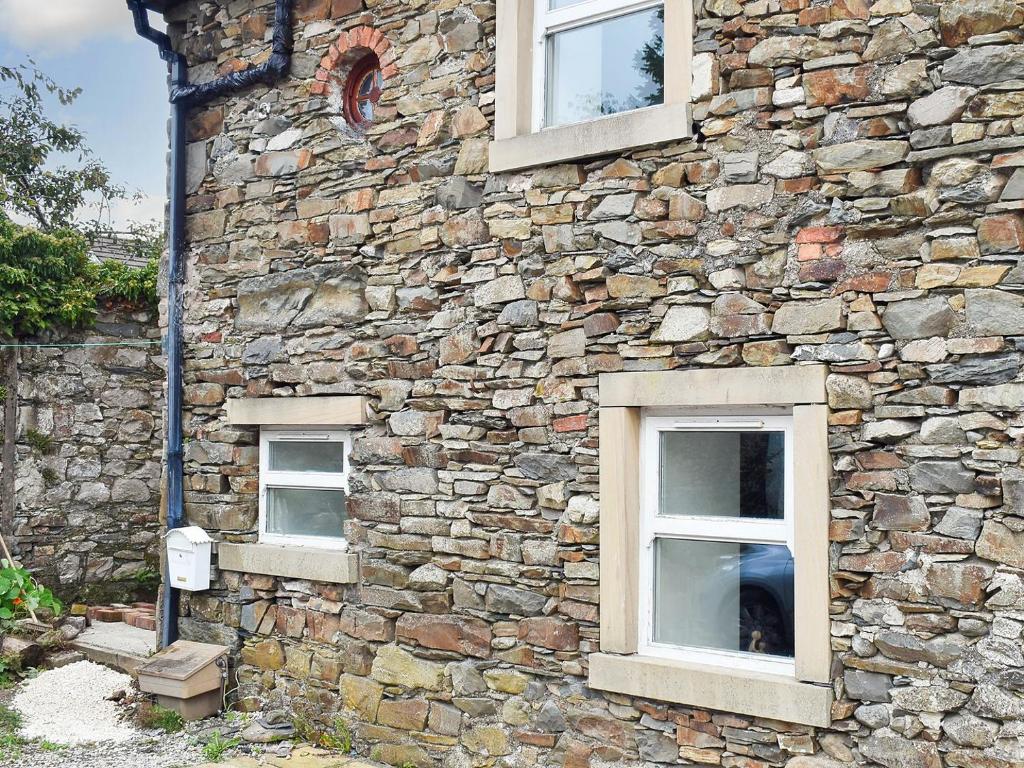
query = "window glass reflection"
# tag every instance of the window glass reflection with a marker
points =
(722, 474)
(306, 512)
(606, 67)
(724, 596)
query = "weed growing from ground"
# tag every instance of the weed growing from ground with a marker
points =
(217, 746)
(154, 716)
(335, 736)
(10, 742)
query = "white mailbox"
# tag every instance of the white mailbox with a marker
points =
(188, 558)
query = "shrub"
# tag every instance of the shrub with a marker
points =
(20, 594)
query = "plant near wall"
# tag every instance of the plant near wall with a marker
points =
(47, 281)
(20, 594)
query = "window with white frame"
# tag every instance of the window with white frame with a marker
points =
(716, 538)
(581, 78)
(597, 57)
(303, 486)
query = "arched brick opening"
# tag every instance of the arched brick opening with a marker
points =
(351, 46)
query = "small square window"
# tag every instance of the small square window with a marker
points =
(304, 487)
(716, 521)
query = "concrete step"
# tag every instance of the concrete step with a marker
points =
(116, 645)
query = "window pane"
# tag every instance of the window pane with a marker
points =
(307, 456)
(305, 512)
(604, 68)
(725, 596)
(556, 4)
(723, 474)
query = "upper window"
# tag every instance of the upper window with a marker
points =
(303, 487)
(577, 78)
(716, 540)
(599, 57)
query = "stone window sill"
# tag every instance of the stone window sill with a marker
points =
(603, 136)
(718, 688)
(324, 565)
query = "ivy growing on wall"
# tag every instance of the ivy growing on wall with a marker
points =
(48, 281)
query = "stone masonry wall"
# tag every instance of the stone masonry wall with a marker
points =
(90, 442)
(852, 197)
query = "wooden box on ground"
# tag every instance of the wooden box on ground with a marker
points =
(186, 677)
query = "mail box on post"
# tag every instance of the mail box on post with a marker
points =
(188, 558)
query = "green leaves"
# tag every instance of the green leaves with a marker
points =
(20, 594)
(47, 281)
(31, 183)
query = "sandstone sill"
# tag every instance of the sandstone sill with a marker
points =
(324, 565)
(726, 690)
(605, 135)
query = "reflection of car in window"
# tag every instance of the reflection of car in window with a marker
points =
(766, 599)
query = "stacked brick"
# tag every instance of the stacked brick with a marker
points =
(852, 197)
(89, 445)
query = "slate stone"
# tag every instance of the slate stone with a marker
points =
(548, 467)
(960, 523)
(985, 65)
(976, 369)
(900, 513)
(918, 318)
(271, 302)
(941, 477)
(995, 313)
(867, 686)
(264, 350)
(514, 601)
(458, 193)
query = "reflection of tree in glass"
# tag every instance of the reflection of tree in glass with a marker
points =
(761, 467)
(648, 63)
(651, 61)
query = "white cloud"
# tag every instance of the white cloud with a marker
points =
(61, 26)
(120, 213)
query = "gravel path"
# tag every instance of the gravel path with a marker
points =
(68, 707)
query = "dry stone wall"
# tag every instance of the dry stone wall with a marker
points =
(89, 448)
(852, 197)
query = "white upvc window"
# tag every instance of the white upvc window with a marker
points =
(584, 78)
(304, 486)
(595, 58)
(716, 540)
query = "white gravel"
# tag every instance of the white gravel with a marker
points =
(68, 706)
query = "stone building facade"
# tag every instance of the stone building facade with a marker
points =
(89, 448)
(841, 220)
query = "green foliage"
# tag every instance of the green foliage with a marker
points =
(39, 442)
(217, 746)
(32, 182)
(116, 281)
(335, 735)
(20, 593)
(47, 281)
(49, 746)
(147, 578)
(50, 476)
(10, 742)
(154, 716)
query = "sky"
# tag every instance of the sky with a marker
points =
(123, 109)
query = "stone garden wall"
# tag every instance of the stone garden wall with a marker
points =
(852, 197)
(89, 449)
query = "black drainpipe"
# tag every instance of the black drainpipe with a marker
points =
(183, 96)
